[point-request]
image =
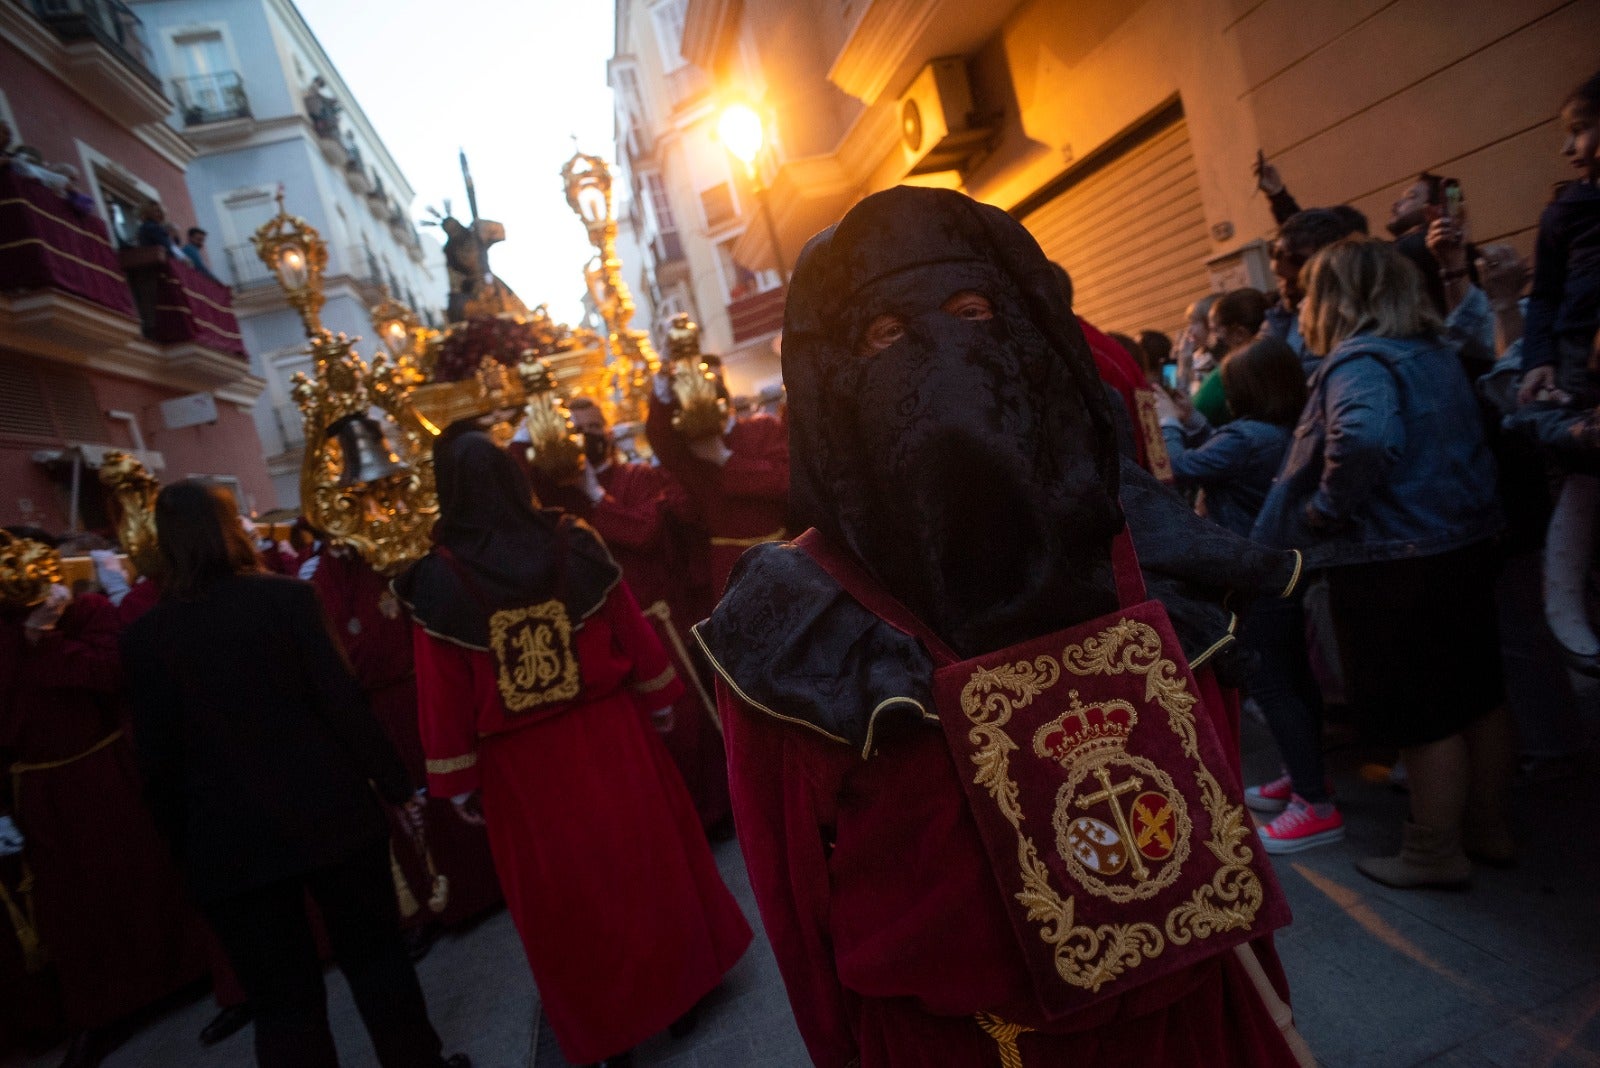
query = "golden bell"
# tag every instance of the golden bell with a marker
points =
(366, 454)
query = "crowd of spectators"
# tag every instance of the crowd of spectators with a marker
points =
(154, 230)
(1399, 412)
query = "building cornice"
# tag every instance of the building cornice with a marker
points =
(708, 29)
(168, 143)
(892, 39)
(100, 79)
(296, 24)
(66, 329)
(879, 44)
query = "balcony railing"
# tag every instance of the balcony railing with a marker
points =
(246, 268)
(757, 314)
(110, 22)
(359, 263)
(687, 84)
(211, 98)
(667, 248)
(178, 304)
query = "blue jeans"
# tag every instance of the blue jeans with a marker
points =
(1282, 684)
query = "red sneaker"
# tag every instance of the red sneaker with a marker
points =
(1269, 797)
(1299, 827)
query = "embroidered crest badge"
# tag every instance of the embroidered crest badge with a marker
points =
(1090, 772)
(534, 660)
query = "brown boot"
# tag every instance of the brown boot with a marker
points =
(1428, 857)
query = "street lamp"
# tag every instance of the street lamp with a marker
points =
(739, 129)
(743, 134)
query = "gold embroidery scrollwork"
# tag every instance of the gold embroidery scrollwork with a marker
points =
(1089, 957)
(1234, 895)
(1084, 956)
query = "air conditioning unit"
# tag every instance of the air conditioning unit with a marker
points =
(938, 130)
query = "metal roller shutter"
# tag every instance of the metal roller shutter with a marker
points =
(1131, 231)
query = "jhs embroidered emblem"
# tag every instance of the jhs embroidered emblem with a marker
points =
(534, 661)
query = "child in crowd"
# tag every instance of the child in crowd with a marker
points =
(1560, 356)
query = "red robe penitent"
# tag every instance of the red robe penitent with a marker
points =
(741, 503)
(607, 874)
(376, 634)
(1119, 370)
(110, 906)
(646, 520)
(882, 909)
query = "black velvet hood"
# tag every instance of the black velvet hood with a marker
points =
(971, 466)
(495, 548)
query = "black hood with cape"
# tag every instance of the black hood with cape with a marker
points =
(499, 549)
(971, 467)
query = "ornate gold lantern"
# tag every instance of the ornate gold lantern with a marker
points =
(297, 255)
(354, 486)
(399, 329)
(702, 412)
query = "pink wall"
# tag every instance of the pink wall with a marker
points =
(229, 446)
(53, 118)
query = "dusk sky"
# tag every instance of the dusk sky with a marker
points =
(511, 83)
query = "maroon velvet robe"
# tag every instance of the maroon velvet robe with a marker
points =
(880, 904)
(647, 521)
(741, 503)
(623, 916)
(376, 635)
(111, 910)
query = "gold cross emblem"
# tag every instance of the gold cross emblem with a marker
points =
(1112, 794)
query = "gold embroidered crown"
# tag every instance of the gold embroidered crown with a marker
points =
(1085, 730)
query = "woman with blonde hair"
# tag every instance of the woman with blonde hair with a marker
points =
(1390, 488)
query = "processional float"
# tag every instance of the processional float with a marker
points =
(367, 478)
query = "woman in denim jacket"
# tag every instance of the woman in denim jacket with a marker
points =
(1390, 487)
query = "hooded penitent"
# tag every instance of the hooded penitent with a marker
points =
(970, 466)
(496, 549)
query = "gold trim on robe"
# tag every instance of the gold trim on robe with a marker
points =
(450, 764)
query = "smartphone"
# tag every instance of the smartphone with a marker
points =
(1169, 375)
(1452, 198)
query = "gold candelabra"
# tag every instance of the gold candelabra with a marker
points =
(587, 181)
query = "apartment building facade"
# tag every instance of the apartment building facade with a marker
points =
(105, 344)
(1123, 132)
(692, 203)
(265, 107)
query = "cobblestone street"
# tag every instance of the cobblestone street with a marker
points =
(1506, 975)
